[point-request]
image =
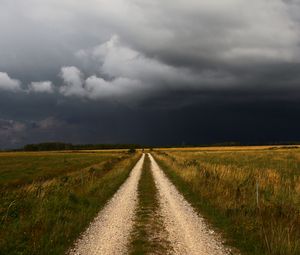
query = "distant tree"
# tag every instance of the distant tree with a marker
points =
(55, 146)
(132, 150)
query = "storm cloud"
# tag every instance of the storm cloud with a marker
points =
(109, 70)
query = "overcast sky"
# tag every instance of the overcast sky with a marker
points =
(149, 71)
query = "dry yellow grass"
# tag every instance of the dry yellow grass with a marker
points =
(225, 181)
(227, 148)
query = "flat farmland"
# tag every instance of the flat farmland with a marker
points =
(197, 201)
(25, 167)
(48, 198)
(252, 194)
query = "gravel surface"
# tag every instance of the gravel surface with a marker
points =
(188, 233)
(110, 231)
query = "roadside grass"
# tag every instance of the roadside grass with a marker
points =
(148, 232)
(252, 196)
(45, 216)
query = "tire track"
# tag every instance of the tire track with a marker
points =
(109, 232)
(188, 233)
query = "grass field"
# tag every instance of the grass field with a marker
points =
(251, 193)
(48, 198)
(25, 167)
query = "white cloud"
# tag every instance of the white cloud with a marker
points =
(97, 87)
(122, 71)
(41, 87)
(117, 60)
(125, 71)
(73, 81)
(94, 87)
(7, 83)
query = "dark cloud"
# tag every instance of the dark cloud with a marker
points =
(11, 132)
(149, 71)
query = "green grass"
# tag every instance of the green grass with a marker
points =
(25, 167)
(222, 186)
(46, 215)
(148, 225)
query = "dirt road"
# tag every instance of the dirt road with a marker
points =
(111, 231)
(188, 234)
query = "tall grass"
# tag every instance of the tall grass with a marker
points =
(254, 196)
(46, 216)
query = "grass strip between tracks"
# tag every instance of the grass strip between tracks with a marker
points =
(148, 235)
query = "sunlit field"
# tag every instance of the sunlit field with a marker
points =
(48, 198)
(251, 193)
(250, 196)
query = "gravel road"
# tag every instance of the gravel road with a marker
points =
(188, 233)
(110, 231)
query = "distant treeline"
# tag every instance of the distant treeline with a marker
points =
(56, 146)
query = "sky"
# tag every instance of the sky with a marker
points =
(149, 71)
